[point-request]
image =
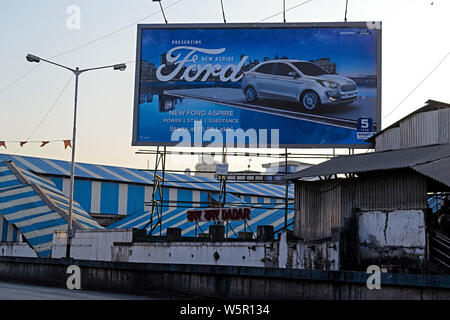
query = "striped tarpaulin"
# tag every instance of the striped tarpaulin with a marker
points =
(264, 214)
(129, 175)
(8, 232)
(37, 208)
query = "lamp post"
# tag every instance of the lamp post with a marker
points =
(76, 72)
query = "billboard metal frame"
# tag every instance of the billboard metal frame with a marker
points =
(134, 141)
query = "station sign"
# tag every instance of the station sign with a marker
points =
(219, 214)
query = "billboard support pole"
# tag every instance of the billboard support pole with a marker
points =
(223, 12)
(158, 185)
(346, 4)
(287, 189)
(284, 11)
(162, 10)
(223, 183)
(162, 187)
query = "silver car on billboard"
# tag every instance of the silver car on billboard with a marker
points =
(296, 80)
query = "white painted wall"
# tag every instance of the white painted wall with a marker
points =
(90, 244)
(16, 250)
(229, 253)
(99, 245)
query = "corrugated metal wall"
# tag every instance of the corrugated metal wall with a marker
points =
(444, 126)
(317, 208)
(388, 140)
(426, 128)
(321, 205)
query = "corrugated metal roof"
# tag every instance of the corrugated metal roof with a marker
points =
(420, 157)
(130, 175)
(37, 208)
(438, 170)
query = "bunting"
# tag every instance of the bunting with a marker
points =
(67, 143)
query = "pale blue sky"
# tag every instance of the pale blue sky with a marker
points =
(415, 39)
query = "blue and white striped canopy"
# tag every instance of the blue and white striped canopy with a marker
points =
(37, 208)
(262, 214)
(128, 175)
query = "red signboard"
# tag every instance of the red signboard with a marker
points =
(218, 214)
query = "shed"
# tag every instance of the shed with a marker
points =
(427, 125)
(386, 180)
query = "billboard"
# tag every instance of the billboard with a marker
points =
(258, 85)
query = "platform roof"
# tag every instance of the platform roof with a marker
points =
(43, 166)
(37, 208)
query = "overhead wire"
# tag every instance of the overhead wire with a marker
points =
(123, 28)
(420, 83)
(48, 112)
(114, 32)
(86, 44)
(291, 8)
(18, 79)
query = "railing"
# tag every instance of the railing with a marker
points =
(440, 250)
(283, 228)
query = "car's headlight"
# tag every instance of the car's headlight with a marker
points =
(328, 84)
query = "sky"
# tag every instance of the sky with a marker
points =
(414, 41)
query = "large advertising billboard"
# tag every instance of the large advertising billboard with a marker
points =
(285, 85)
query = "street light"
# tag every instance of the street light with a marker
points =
(32, 58)
(76, 72)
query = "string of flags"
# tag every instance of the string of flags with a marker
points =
(67, 143)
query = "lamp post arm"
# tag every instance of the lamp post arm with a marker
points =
(59, 65)
(97, 68)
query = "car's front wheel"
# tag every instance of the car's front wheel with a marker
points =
(250, 94)
(310, 100)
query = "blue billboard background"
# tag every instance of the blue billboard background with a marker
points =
(177, 101)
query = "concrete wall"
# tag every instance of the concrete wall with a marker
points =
(90, 244)
(16, 250)
(225, 282)
(392, 237)
(117, 245)
(254, 254)
(309, 255)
